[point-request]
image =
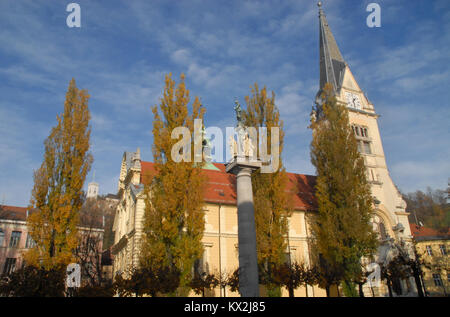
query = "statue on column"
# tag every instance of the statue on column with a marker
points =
(248, 146)
(233, 146)
(238, 110)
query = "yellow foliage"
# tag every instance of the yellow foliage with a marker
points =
(272, 202)
(57, 193)
(174, 221)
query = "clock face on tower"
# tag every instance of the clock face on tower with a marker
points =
(353, 100)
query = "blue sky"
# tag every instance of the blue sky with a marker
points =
(124, 48)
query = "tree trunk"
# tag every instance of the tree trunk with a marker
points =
(306, 289)
(291, 291)
(418, 284)
(389, 288)
(327, 289)
(360, 286)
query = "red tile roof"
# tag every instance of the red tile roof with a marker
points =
(422, 232)
(13, 213)
(20, 214)
(222, 186)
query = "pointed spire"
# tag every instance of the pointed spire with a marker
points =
(332, 64)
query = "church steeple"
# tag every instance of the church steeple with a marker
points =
(332, 64)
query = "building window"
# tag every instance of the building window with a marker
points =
(360, 132)
(30, 242)
(10, 266)
(429, 250)
(201, 266)
(437, 279)
(362, 136)
(379, 228)
(364, 133)
(2, 237)
(366, 146)
(443, 250)
(15, 239)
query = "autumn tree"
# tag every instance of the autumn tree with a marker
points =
(174, 216)
(341, 230)
(142, 281)
(57, 194)
(202, 282)
(271, 201)
(31, 281)
(430, 208)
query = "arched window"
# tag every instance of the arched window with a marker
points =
(379, 227)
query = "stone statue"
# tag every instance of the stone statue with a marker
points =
(240, 139)
(206, 146)
(233, 146)
(248, 146)
(238, 110)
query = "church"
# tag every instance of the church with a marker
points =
(221, 233)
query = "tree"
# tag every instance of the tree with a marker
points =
(57, 194)
(393, 272)
(142, 281)
(290, 275)
(30, 281)
(430, 208)
(272, 203)
(341, 229)
(174, 216)
(202, 282)
(233, 280)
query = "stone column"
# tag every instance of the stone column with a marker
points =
(248, 261)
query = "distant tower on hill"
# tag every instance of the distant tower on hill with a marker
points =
(92, 188)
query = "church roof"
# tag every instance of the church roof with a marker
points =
(221, 186)
(332, 64)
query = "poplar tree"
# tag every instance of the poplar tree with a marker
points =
(341, 229)
(174, 216)
(271, 201)
(57, 195)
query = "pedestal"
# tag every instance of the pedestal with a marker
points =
(248, 261)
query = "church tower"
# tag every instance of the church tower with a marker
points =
(391, 220)
(92, 189)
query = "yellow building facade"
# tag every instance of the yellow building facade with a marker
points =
(433, 247)
(220, 238)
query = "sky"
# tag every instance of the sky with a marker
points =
(123, 50)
